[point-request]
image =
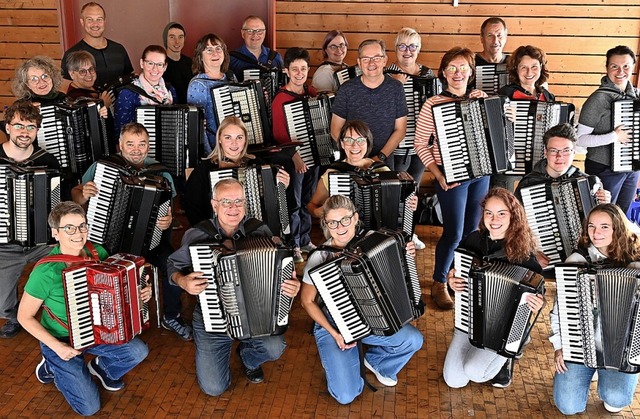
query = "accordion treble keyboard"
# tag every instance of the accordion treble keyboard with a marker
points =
(626, 157)
(491, 77)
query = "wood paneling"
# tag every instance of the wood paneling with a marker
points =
(575, 34)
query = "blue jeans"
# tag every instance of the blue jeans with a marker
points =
(411, 164)
(303, 185)
(213, 355)
(74, 381)
(622, 186)
(571, 389)
(386, 354)
(460, 216)
(465, 362)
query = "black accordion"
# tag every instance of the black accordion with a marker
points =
(493, 308)
(309, 122)
(533, 119)
(380, 197)
(472, 138)
(103, 300)
(266, 196)
(626, 157)
(599, 319)
(491, 77)
(175, 134)
(75, 134)
(247, 102)
(244, 298)
(346, 74)
(555, 212)
(271, 81)
(122, 216)
(27, 195)
(372, 287)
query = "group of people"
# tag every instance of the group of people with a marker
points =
(369, 124)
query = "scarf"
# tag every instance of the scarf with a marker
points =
(158, 91)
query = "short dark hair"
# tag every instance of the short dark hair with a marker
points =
(621, 50)
(154, 48)
(296, 53)
(451, 55)
(534, 52)
(25, 110)
(562, 131)
(93, 4)
(367, 42)
(361, 128)
(134, 128)
(492, 21)
(62, 209)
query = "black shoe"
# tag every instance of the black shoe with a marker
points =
(254, 375)
(503, 378)
(10, 329)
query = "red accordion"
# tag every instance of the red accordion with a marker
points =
(103, 301)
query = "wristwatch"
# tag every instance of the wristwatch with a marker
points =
(382, 157)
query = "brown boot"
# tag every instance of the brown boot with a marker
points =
(441, 296)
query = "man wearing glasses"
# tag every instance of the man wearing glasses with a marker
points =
(22, 121)
(253, 53)
(213, 350)
(134, 147)
(556, 166)
(375, 98)
(112, 60)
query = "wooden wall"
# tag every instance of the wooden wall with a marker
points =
(28, 28)
(575, 35)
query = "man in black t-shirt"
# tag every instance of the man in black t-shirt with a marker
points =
(112, 60)
(178, 72)
(23, 120)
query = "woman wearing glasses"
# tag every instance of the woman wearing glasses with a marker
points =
(211, 65)
(148, 89)
(38, 80)
(334, 51)
(460, 202)
(62, 364)
(504, 235)
(598, 132)
(385, 355)
(355, 142)
(230, 151)
(82, 68)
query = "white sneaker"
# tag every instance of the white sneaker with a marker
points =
(419, 243)
(613, 409)
(386, 381)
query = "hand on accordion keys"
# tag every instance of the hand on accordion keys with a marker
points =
(340, 342)
(299, 164)
(411, 247)
(413, 203)
(291, 287)
(535, 302)
(145, 292)
(457, 284)
(194, 283)
(283, 177)
(623, 134)
(602, 195)
(477, 94)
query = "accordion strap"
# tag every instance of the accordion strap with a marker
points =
(54, 317)
(363, 371)
(72, 259)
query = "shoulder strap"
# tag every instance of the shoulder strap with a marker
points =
(207, 227)
(72, 259)
(272, 56)
(251, 225)
(142, 92)
(251, 60)
(54, 317)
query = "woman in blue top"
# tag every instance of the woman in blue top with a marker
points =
(211, 65)
(156, 92)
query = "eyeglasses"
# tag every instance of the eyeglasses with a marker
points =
(554, 151)
(410, 47)
(217, 49)
(337, 47)
(20, 127)
(84, 71)
(345, 221)
(367, 60)
(45, 78)
(255, 31)
(70, 229)
(151, 64)
(351, 141)
(228, 203)
(452, 69)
